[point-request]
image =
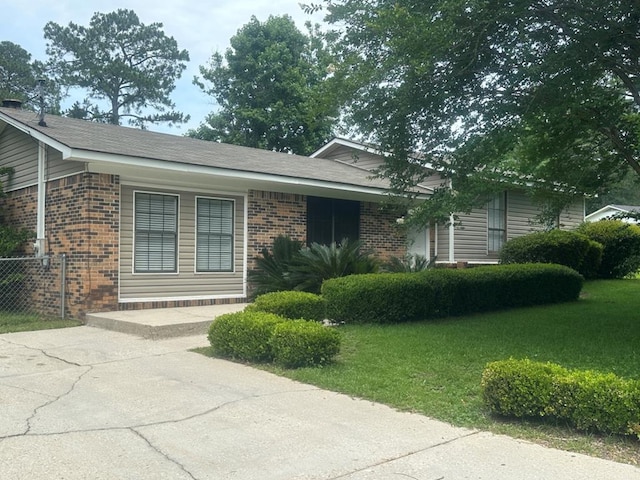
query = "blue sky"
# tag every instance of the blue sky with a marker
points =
(201, 27)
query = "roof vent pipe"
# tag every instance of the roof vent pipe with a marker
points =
(12, 103)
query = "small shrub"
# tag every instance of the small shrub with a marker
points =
(291, 304)
(588, 400)
(621, 242)
(321, 262)
(408, 263)
(299, 343)
(571, 249)
(244, 335)
(272, 273)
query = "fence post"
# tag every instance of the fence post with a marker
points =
(63, 283)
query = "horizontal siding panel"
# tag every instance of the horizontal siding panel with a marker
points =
(185, 283)
(59, 168)
(573, 215)
(20, 152)
(521, 213)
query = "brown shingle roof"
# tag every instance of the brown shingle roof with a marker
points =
(84, 136)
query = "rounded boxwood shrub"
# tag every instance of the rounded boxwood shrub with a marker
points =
(571, 249)
(244, 335)
(588, 400)
(300, 343)
(291, 304)
(621, 246)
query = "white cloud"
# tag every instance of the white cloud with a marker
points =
(201, 27)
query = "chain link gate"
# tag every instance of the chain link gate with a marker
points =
(33, 286)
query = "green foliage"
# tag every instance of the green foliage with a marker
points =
(300, 343)
(244, 335)
(273, 268)
(588, 400)
(132, 66)
(399, 297)
(321, 262)
(408, 263)
(621, 242)
(19, 78)
(540, 90)
(13, 240)
(257, 336)
(572, 249)
(292, 267)
(267, 86)
(291, 304)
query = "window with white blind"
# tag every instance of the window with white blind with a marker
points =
(156, 233)
(497, 222)
(214, 235)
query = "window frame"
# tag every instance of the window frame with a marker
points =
(232, 235)
(499, 213)
(331, 211)
(176, 233)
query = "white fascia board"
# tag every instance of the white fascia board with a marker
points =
(99, 158)
(64, 149)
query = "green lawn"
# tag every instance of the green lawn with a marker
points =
(14, 322)
(435, 367)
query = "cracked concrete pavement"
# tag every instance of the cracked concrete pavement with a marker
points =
(84, 403)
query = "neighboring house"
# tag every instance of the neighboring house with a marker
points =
(614, 211)
(480, 234)
(155, 220)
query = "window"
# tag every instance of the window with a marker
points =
(156, 233)
(214, 242)
(497, 222)
(330, 220)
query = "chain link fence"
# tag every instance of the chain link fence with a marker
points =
(33, 286)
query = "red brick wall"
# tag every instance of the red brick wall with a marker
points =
(379, 232)
(272, 214)
(82, 221)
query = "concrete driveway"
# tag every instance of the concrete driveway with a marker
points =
(84, 403)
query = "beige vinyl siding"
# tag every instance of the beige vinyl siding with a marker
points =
(471, 236)
(186, 283)
(573, 215)
(361, 159)
(20, 152)
(521, 213)
(58, 168)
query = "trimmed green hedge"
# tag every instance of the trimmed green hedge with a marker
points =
(571, 249)
(291, 304)
(393, 298)
(588, 400)
(300, 343)
(256, 336)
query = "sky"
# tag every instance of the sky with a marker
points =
(201, 27)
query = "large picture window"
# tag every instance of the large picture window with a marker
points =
(497, 222)
(330, 220)
(214, 243)
(156, 233)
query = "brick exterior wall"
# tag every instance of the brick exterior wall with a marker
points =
(272, 214)
(379, 232)
(82, 221)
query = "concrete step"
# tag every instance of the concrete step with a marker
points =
(160, 323)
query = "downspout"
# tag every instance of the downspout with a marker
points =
(427, 233)
(39, 245)
(452, 256)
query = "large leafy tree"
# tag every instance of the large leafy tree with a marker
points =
(268, 86)
(546, 92)
(20, 76)
(130, 66)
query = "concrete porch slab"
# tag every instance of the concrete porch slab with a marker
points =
(162, 322)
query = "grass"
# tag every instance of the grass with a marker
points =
(434, 368)
(15, 322)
